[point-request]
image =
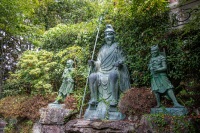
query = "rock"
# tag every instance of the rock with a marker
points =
(139, 124)
(39, 128)
(52, 119)
(53, 115)
(98, 126)
(2, 125)
(144, 126)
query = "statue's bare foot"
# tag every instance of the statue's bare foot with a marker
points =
(177, 105)
(56, 102)
(113, 103)
(93, 101)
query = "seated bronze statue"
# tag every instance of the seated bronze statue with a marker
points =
(109, 77)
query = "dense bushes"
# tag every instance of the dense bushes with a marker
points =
(39, 72)
(137, 101)
(138, 25)
(33, 74)
(146, 23)
(63, 36)
(24, 107)
(50, 13)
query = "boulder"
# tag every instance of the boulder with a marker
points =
(98, 126)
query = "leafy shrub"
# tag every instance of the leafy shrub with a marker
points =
(33, 74)
(167, 123)
(63, 36)
(143, 23)
(50, 13)
(137, 101)
(24, 106)
(80, 56)
(40, 72)
(189, 97)
(71, 102)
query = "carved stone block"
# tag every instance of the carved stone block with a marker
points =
(170, 111)
(53, 115)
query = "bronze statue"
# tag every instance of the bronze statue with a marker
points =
(109, 78)
(160, 84)
(67, 86)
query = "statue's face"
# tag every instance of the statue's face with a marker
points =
(154, 53)
(109, 37)
(69, 63)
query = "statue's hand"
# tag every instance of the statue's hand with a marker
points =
(118, 64)
(91, 62)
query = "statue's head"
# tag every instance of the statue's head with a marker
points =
(70, 63)
(154, 50)
(109, 34)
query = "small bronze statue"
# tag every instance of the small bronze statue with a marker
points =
(67, 86)
(109, 78)
(160, 84)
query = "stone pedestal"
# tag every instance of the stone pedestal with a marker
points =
(52, 119)
(40, 128)
(103, 111)
(136, 124)
(170, 111)
(53, 115)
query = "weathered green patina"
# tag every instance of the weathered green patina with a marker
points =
(160, 84)
(109, 78)
(67, 86)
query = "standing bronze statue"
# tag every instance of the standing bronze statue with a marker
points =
(67, 86)
(160, 84)
(109, 78)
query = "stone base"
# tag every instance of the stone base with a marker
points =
(86, 126)
(170, 111)
(102, 111)
(55, 115)
(39, 128)
(136, 124)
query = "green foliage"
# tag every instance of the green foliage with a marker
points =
(13, 13)
(177, 124)
(144, 23)
(68, 31)
(50, 13)
(34, 73)
(144, 8)
(80, 56)
(24, 126)
(39, 72)
(137, 32)
(63, 36)
(189, 96)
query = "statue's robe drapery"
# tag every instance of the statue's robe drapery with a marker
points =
(106, 59)
(67, 86)
(159, 81)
